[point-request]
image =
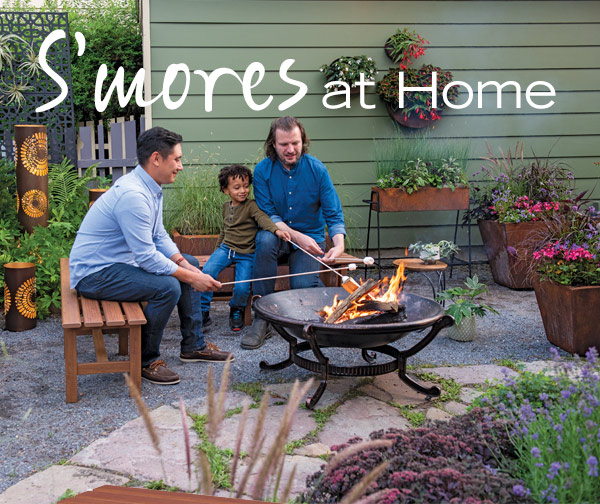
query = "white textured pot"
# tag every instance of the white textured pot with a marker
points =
(465, 331)
(430, 257)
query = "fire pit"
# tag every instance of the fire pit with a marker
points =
(295, 315)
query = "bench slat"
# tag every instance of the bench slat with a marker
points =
(71, 318)
(113, 316)
(92, 316)
(134, 313)
(84, 368)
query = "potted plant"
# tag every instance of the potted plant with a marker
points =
(193, 209)
(420, 173)
(418, 111)
(464, 308)
(347, 69)
(404, 45)
(513, 198)
(102, 185)
(567, 285)
(429, 253)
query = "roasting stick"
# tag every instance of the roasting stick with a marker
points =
(350, 267)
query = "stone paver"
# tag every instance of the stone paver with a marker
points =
(455, 408)
(129, 450)
(302, 425)
(336, 389)
(470, 375)
(199, 406)
(389, 387)
(437, 414)
(549, 367)
(313, 450)
(47, 486)
(360, 417)
(468, 395)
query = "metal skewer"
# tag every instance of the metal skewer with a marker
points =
(282, 276)
(317, 259)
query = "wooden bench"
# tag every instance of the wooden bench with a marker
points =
(328, 278)
(83, 316)
(126, 495)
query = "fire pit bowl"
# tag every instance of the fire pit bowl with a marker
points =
(294, 314)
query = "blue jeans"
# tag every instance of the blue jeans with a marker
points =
(124, 282)
(269, 249)
(217, 262)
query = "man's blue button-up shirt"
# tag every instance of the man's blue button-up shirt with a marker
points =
(124, 226)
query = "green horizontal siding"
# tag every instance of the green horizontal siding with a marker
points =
(478, 41)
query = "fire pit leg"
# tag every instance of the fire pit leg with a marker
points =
(369, 357)
(293, 342)
(428, 391)
(309, 334)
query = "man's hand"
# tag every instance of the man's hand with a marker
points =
(337, 250)
(307, 243)
(203, 282)
(284, 235)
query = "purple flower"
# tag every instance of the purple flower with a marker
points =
(553, 471)
(593, 463)
(521, 491)
(535, 451)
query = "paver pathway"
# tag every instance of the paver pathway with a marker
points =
(355, 408)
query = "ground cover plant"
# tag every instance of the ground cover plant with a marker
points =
(555, 430)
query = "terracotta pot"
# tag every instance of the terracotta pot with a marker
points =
(19, 296)
(570, 318)
(31, 167)
(195, 244)
(410, 121)
(512, 270)
(426, 198)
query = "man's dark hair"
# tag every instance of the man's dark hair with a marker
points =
(234, 171)
(287, 123)
(156, 139)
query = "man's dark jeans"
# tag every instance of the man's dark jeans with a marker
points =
(123, 282)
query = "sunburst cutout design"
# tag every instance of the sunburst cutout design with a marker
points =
(25, 298)
(18, 202)
(34, 203)
(6, 299)
(34, 154)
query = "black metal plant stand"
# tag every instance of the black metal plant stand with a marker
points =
(322, 365)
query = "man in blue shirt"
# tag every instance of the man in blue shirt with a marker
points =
(123, 253)
(294, 189)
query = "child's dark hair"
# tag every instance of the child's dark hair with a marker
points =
(234, 171)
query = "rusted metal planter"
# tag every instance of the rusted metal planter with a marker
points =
(512, 270)
(19, 296)
(426, 198)
(94, 194)
(195, 244)
(411, 120)
(570, 315)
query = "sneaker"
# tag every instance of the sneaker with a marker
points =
(210, 353)
(206, 321)
(257, 334)
(158, 373)
(236, 319)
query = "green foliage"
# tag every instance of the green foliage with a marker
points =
(404, 45)
(67, 204)
(253, 389)
(463, 300)
(415, 418)
(429, 251)
(160, 485)
(348, 69)
(66, 495)
(113, 38)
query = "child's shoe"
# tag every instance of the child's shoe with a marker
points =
(236, 319)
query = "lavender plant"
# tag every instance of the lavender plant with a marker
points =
(556, 435)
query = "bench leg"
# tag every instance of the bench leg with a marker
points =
(123, 341)
(248, 313)
(70, 341)
(135, 356)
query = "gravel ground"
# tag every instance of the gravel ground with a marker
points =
(37, 427)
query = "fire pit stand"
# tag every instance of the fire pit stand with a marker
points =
(371, 339)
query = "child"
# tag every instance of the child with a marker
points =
(241, 219)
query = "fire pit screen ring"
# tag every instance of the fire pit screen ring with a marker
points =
(294, 315)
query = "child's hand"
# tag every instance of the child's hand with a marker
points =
(284, 235)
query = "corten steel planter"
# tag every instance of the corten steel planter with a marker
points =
(195, 244)
(411, 120)
(511, 270)
(426, 198)
(570, 315)
(19, 296)
(31, 157)
(94, 194)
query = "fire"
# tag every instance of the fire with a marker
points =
(387, 291)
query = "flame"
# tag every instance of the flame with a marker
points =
(387, 290)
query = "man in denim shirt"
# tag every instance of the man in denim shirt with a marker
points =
(294, 189)
(123, 253)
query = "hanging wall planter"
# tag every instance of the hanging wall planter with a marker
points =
(410, 120)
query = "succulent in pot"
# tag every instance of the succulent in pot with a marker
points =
(429, 253)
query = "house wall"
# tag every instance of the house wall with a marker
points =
(478, 41)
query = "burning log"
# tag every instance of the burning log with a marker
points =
(361, 291)
(381, 306)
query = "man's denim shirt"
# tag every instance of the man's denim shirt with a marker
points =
(303, 197)
(124, 226)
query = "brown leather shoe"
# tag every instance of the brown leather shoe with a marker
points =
(160, 374)
(210, 353)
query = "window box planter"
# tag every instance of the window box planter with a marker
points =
(426, 198)
(511, 270)
(569, 320)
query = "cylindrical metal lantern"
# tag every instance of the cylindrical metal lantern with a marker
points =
(19, 296)
(31, 160)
